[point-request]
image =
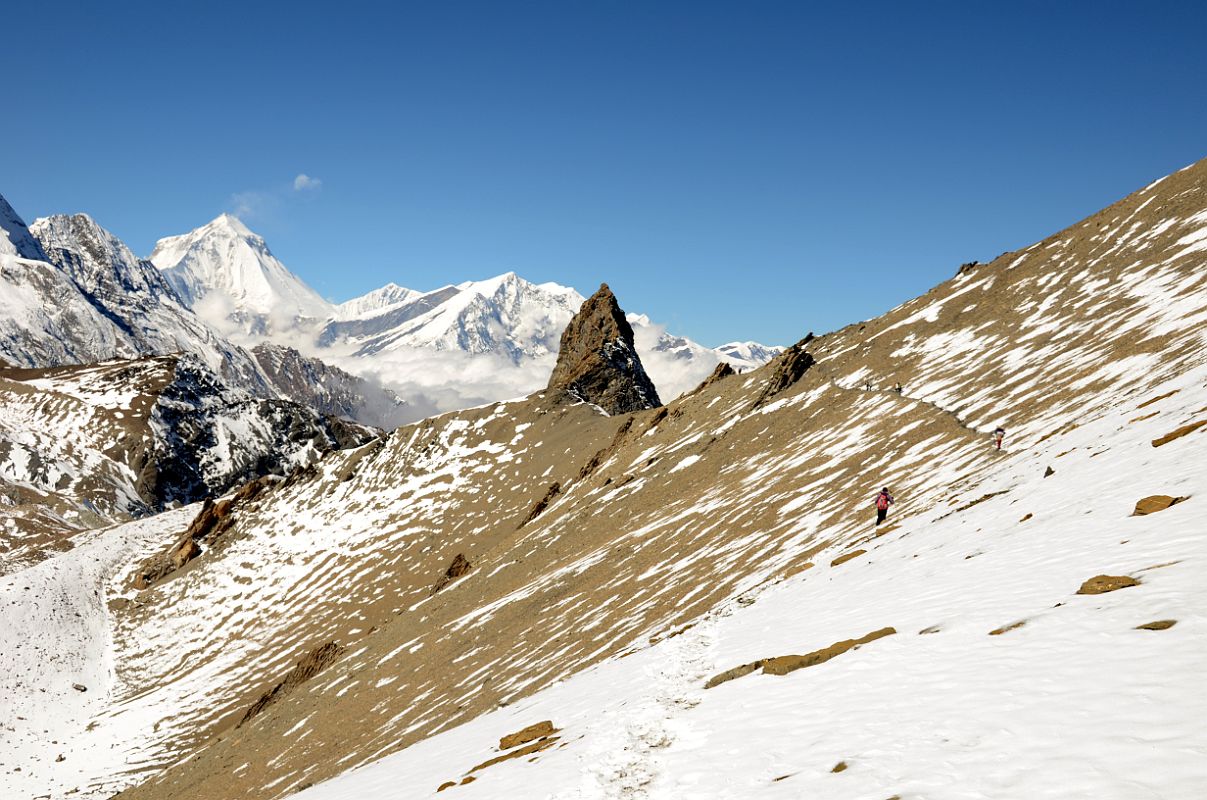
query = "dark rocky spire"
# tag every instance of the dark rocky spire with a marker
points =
(598, 362)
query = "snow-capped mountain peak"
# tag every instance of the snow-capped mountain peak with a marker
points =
(231, 269)
(373, 302)
(15, 238)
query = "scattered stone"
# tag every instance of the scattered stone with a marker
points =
(459, 567)
(839, 767)
(1101, 584)
(60, 758)
(468, 779)
(1026, 517)
(310, 665)
(1155, 503)
(1179, 433)
(931, 629)
(534, 731)
(1049, 472)
(446, 785)
(597, 361)
(845, 557)
(1007, 628)
(1157, 625)
(79, 687)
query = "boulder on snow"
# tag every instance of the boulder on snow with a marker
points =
(526, 735)
(1155, 503)
(845, 557)
(1101, 584)
(1157, 625)
(598, 362)
(782, 665)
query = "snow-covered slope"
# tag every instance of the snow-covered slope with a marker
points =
(223, 271)
(374, 302)
(616, 564)
(327, 389)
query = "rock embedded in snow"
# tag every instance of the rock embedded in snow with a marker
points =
(597, 361)
(525, 735)
(1155, 503)
(1101, 584)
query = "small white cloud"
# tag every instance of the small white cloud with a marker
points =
(303, 182)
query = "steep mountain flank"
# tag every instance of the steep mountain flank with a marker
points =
(738, 526)
(597, 362)
(328, 390)
(82, 447)
(133, 297)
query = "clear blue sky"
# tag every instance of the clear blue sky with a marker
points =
(744, 170)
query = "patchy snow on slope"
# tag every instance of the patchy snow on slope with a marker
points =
(1000, 680)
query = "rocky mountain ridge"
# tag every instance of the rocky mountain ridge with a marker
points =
(86, 447)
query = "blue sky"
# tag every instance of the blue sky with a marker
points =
(745, 170)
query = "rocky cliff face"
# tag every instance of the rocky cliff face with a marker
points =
(597, 362)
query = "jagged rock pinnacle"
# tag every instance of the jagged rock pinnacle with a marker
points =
(598, 363)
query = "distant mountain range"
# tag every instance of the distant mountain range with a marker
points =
(75, 294)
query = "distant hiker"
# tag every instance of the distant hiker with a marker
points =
(998, 435)
(867, 386)
(883, 501)
(897, 388)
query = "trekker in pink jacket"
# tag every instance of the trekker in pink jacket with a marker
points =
(883, 501)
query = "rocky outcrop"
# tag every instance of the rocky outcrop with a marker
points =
(311, 664)
(459, 567)
(211, 522)
(782, 665)
(597, 362)
(788, 368)
(539, 507)
(722, 371)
